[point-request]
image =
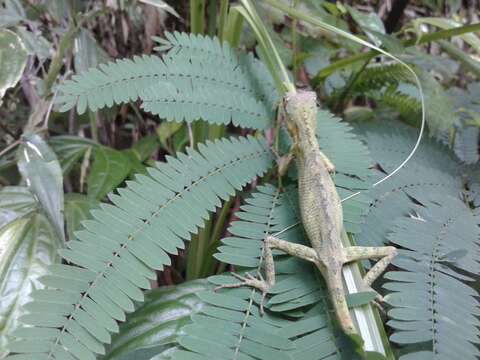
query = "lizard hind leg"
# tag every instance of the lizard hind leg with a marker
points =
(384, 253)
(264, 285)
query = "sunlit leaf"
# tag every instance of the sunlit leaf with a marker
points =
(143, 335)
(28, 244)
(13, 58)
(87, 52)
(39, 165)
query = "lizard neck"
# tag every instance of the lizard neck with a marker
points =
(307, 142)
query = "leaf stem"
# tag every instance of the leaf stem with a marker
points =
(212, 17)
(93, 125)
(222, 19)
(209, 261)
(197, 18)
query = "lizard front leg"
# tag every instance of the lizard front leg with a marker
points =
(384, 253)
(264, 285)
(328, 163)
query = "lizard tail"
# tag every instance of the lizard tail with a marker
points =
(339, 301)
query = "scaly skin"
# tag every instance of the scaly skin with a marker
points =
(320, 205)
(321, 213)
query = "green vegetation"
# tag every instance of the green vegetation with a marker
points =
(127, 183)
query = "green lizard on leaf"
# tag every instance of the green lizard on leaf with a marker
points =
(321, 215)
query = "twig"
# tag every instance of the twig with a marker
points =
(10, 147)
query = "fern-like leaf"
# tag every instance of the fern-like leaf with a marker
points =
(298, 287)
(195, 47)
(378, 76)
(433, 169)
(242, 332)
(408, 108)
(419, 210)
(180, 84)
(434, 309)
(119, 249)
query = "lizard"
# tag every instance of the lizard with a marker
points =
(321, 215)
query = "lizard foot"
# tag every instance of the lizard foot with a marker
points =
(249, 280)
(331, 169)
(378, 301)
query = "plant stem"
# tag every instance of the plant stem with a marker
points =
(212, 17)
(66, 43)
(233, 28)
(348, 87)
(209, 264)
(222, 19)
(197, 16)
(9, 147)
(93, 125)
(294, 45)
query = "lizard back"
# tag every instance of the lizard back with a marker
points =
(320, 204)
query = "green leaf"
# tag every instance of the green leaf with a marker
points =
(440, 114)
(70, 150)
(87, 53)
(370, 23)
(77, 209)
(28, 244)
(162, 5)
(389, 143)
(361, 298)
(12, 13)
(110, 167)
(471, 38)
(143, 334)
(13, 58)
(226, 87)
(15, 202)
(35, 43)
(146, 146)
(167, 129)
(432, 299)
(39, 165)
(119, 249)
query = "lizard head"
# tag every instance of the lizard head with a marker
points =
(301, 110)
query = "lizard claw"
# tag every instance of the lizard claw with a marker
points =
(248, 280)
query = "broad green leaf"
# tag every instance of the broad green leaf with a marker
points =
(153, 327)
(110, 167)
(370, 23)
(87, 52)
(140, 152)
(145, 147)
(13, 58)
(28, 244)
(77, 209)
(70, 149)
(35, 44)
(39, 165)
(12, 13)
(167, 129)
(15, 202)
